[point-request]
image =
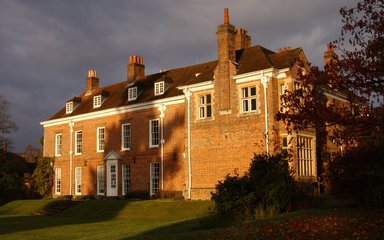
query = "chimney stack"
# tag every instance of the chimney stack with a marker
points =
(243, 40)
(330, 55)
(135, 69)
(92, 82)
(226, 56)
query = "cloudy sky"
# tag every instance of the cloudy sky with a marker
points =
(47, 47)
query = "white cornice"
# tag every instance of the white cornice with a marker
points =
(198, 86)
(338, 96)
(113, 111)
(256, 75)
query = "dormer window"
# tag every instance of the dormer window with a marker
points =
(159, 88)
(132, 93)
(97, 101)
(69, 107)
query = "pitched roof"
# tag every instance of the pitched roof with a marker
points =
(249, 60)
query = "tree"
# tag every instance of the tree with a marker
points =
(6, 125)
(358, 73)
(42, 177)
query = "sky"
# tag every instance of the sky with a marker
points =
(47, 47)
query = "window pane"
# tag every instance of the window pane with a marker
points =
(208, 96)
(100, 179)
(253, 104)
(245, 105)
(209, 111)
(202, 115)
(253, 91)
(245, 92)
(201, 100)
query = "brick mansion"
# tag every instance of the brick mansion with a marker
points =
(178, 132)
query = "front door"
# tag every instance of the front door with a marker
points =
(112, 171)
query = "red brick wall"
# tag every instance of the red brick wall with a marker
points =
(139, 157)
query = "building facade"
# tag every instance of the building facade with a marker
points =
(180, 131)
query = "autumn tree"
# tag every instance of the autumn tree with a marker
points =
(356, 72)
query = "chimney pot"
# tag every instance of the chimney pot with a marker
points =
(135, 68)
(226, 16)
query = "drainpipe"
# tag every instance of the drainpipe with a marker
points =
(188, 95)
(71, 124)
(162, 108)
(264, 81)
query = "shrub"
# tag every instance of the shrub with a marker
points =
(42, 177)
(359, 174)
(266, 190)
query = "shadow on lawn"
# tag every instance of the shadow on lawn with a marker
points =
(88, 212)
(189, 229)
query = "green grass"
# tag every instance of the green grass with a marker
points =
(106, 219)
(171, 219)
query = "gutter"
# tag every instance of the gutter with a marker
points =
(161, 109)
(188, 95)
(71, 124)
(264, 81)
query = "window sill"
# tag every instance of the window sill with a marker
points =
(125, 150)
(244, 114)
(99, 151)
(152, 147)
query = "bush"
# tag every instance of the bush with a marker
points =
(266, 190)
(359, 174)
(42, 177)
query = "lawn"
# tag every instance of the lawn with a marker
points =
(171, 219)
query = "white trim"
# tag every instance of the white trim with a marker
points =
(335, 97)
(97, 101)
(97, 140)
(150, 133)
(114, 111)
(76, 152)
(100, 175)
(257, 75)
(208, 85)
(61, 145)
(124, 167)
(69, 107)
(132, 93)
(122, 137)
(159, 88)
(151, 187)
(78, 178)
(57, 177)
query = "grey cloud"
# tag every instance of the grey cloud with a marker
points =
(47, 47)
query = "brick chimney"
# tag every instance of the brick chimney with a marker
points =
(330, 55)
(92, 82)
(242, 40)
(226, 57)
(135, 69)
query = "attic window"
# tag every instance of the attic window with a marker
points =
(97, 101)
(159, 88)
(132, 93)
(69, 107)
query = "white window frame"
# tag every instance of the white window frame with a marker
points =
(204, 106)
(100, 180)
(154, 178)
(247, 99)
(58, 181)
(159, 88)
(78, 142)
(125, 178)
(152, 133)
(58, 144)
(282, 89)
(125, 139)
(69, 107)
(78, 182)
(132, 93)
(97, 101)
(100, 147)
(305, 156)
